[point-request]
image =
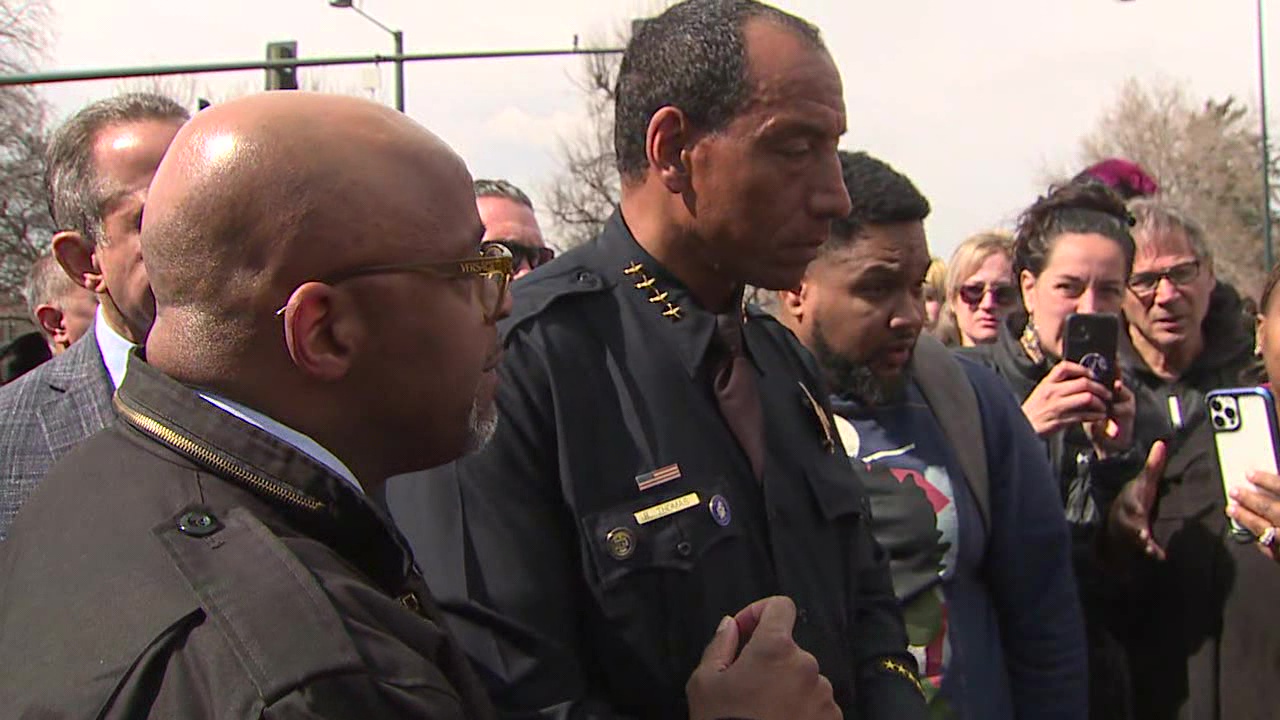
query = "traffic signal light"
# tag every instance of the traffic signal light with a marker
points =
(282, 78)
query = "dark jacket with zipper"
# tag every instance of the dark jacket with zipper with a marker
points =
(183, 563)
(1087, 486)
(1202, 639)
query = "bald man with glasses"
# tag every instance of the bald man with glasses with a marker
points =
(215, 553)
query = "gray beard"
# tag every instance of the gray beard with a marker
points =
(481, 425)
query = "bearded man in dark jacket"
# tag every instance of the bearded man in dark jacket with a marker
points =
(1201, 637)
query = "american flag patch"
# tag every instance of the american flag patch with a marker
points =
(658, 477)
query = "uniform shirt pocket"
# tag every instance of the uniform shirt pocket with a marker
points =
(672, 532)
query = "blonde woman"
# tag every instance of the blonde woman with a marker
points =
(980, 289)
(935, 293)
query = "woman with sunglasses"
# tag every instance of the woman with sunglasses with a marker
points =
(1072, 254)
(980, 291)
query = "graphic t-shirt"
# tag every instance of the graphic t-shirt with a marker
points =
(911, 480)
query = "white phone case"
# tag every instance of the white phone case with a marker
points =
(1244, 435)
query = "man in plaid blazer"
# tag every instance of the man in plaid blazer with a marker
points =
(100, 164)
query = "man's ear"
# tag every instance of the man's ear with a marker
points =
(322, 331)
(666, 143)
(79, 260)
(50, 320)
(793, 302)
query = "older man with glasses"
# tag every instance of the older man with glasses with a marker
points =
(1193, 648)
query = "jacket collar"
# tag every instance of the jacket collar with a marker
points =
(1010, 353)
(80, 361)
(80, 402)
(660, 299)
(326, 506)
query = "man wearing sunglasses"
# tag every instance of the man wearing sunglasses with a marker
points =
(509, 220)
(325, 318)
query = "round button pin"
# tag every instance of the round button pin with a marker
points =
(198, 523)
(720, 512)
(620, 543)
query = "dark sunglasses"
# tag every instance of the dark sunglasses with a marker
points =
(522, 254)
(1004, 293)
(1182, 274)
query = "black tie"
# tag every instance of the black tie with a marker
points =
(734, 382)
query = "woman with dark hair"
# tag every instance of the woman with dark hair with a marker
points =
(1072, 254)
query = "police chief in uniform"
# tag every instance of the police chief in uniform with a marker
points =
(663, 456)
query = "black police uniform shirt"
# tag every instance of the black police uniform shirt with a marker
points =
(587, 554)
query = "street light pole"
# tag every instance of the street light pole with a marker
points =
(1266, 147)
(396, 36)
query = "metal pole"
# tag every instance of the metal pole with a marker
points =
(58, 76)
(399, 38)
(1266, 147)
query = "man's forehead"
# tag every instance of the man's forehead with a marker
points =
(1160, 246)
(896, 247)
(509, 220)
(787, 69)
(125, 156)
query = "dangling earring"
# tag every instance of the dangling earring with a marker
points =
(1030, 341)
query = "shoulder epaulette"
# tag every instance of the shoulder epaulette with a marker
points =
(539, 291)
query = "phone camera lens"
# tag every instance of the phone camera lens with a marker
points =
(1218, 421)
(1230, 413)
(1216, 404)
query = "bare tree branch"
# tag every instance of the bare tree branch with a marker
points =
(1207, 158)
(25, 224)
(584, 192)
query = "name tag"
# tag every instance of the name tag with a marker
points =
(670, 507)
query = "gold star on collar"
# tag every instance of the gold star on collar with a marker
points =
(656, 296)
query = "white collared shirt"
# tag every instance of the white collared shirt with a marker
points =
(284, 433)
(114, 348)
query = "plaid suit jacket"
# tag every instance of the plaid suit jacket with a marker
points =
(44, 414)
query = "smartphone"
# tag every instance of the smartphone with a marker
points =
(1244, 437)
(1090, 339)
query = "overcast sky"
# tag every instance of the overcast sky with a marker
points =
(972, 99)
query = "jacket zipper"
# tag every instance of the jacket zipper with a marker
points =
(215, 460)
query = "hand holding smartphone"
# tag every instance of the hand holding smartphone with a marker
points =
(1245, 439)
(1090, 339)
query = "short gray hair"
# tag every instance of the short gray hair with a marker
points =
(47, 283)
(71, 180)
(1152, 215)
(502, 189)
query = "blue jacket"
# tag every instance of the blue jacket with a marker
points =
(1016, 632)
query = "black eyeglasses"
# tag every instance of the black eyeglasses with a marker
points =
(522, 254)
(492, 268)
(1181, 275)
(973, 293)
